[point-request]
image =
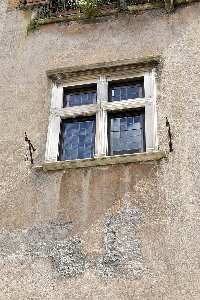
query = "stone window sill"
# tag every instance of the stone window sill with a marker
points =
(102, 161)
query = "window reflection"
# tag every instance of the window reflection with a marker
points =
(80, 97)
(128, 91)
(77, 139)
(126, 133)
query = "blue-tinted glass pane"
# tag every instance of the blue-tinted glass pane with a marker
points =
(126, 135)
(80, 99)
(81, 145)
(130, 91)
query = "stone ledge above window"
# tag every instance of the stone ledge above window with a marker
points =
(46, 13)
(107, 160)
(91, 71)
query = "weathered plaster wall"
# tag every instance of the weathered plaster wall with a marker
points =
(3, 7)
(115, 232)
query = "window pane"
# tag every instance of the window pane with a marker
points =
(126, 133)
(79, 97)
(77, 139)
(128, 91)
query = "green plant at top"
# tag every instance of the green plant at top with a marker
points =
(33, 25)
(89, 8)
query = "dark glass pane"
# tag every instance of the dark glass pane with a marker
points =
(79, 97)
(129, 91)
(126, 133)
(77, 139)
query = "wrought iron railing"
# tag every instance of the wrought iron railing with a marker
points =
(50, 8)
(63, 5)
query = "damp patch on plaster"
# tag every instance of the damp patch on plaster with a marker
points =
(121, 252)
(36, 241)
(68, 257)
(122, 245)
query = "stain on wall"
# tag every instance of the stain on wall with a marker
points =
(122, 245)
(120, 252)
(35, 241)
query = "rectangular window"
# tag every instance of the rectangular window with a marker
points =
(77, 138)
(125, 129)
(81, 96)
(105, 114)
(126, 90)
(126, 132)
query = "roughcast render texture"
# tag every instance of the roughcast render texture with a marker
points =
(128, 231)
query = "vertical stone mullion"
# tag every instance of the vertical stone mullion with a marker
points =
(101, 118)
(150, 113)
(53, 138)
(54, 124)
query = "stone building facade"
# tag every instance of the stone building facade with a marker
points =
(110, 226)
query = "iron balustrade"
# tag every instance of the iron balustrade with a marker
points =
(53, 6)
(63, 5)
(50, 8)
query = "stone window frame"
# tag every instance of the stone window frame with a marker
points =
(101, 74)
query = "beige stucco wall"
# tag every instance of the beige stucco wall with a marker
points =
(114, 232)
